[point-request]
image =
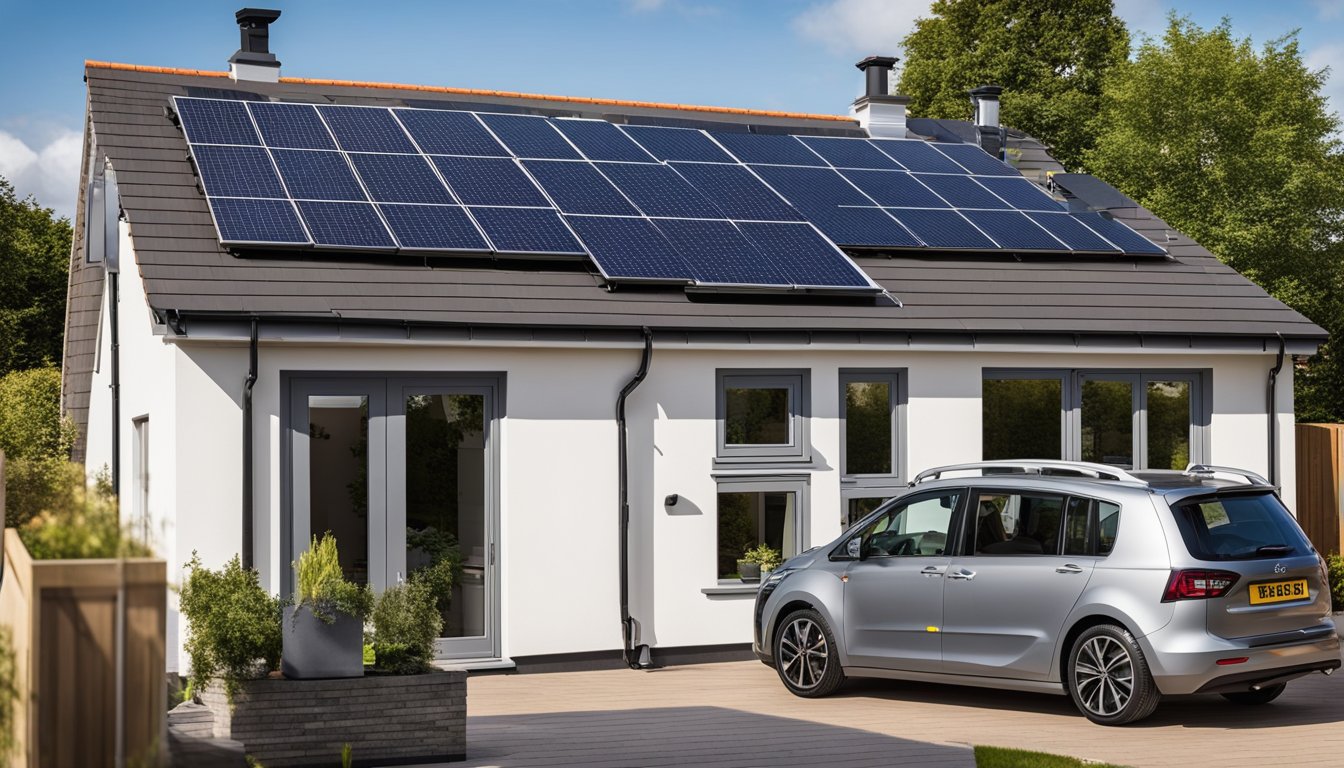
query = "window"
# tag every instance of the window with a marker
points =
(1090, 526)
(918, 528)
(140, 471)
(1129, 419)
(1017, 523)
(755, 511)
(1239, 527)
(872, 439)
(762, 416)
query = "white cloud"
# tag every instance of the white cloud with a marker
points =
(641, 6)
(1329, 9)
(862, 27)
(49, 172)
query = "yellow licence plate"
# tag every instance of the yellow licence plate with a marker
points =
(1278, 591)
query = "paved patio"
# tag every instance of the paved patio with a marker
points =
(738, 714)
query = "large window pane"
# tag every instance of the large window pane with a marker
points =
(1022, 418)
(1108, 422)
(338, 478)
(750, 518)
(756, 416)
(1168, 424)
(868, 428)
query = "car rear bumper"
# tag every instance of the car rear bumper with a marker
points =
(1187, 662)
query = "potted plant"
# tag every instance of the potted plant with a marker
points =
(757, 561)
(233, 626)
(324, 631)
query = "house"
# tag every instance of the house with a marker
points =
(601, 387)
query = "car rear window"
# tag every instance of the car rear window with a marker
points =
(1239, 527)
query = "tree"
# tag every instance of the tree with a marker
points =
(1050, 56)
(34, 262)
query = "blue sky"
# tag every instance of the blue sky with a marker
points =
(771, 54)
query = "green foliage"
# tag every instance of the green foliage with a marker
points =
(84, 524)
(34, 263)
(406, 622)
(9, 692)
(999, 757)
(36, 442)
(1334, 565)
(320, 584)
(445, 564)
(763, 555)
(233, 625)
(1050, 56)
(347, 755)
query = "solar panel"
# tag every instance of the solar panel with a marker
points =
(489, 181)
(1130, 242)
(1020, 193)
(916, 155)
(976, 160)
(400, 179)
(850, 153)
(1013, 230)
(630, 247)
(658, 191)
(291, 126)
(579, 188)
(1072, 232)
(895, 188)
(258, 222)
(944, 229)
(440, 132)
(433, 227)
(961, 191)
(345, 225)
(366, 129)
(215, 121)
(527, 231)
(863, 228)
(313, 175)
(811, 189)
(718, 254)
(736, 192)
(681, 144)
(237, 172)
(600, 140)
(532, 137)
(803, 256)
(764, 148)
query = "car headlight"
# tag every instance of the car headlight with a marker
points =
(776, 576)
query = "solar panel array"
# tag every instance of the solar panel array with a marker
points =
(645, 203)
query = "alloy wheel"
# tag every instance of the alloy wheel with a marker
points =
(1103, 674)
(803, 654)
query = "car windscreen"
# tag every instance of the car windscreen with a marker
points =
(1239, 527)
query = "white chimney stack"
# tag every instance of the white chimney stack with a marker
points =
(254, 61)
(879, 112)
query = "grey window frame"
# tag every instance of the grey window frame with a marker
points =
(140, 473)
(797, 382)
(798, 485)
(874, 486)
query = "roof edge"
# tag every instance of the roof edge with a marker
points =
(92, 64)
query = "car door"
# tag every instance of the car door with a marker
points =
(1007, 597)
(893, 594)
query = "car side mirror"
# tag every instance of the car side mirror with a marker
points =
(855, 548)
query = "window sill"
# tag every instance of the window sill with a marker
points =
(731, 589)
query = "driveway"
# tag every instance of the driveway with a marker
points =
(738, 714)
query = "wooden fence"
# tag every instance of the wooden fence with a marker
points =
(1320, 479)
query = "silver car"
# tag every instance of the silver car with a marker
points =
(1113, 588)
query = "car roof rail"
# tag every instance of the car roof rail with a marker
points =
(1214, 470)
(1085, 469)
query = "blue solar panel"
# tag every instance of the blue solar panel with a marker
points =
(961, 191)
(1073, 232)
(291, 126)
(1020, 193)
(630, 248)
(532, 137)
(658, 191)
(1128, 240)
(440, 132)
(803, 256)
(214, 121)
(736, 192)
(345, 225)
(862, 228)
(976, 160)
(895, 188)
(527, 230)
(943, 229)
(600, 140)
(916, 155)
(366, 129)
(489, 181)
(400, 179)
(260, 222)
(811, 189)
(850, 153)
(433, 227)
(311, 175)
(579, 188)
(1013, 230)
(678, 144)
(753, 148)
(718, 254)
(237, 172)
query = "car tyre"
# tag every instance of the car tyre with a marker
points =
(805, 655)
(1108, 677)
(1262, 696)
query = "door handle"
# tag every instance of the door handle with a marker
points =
(933, 570)
(1069, 568)
(964, 574)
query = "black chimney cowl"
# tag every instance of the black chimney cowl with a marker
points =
(875, 70)
(254, 28)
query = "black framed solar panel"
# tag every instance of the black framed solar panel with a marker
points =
(677, 144)
(433, 228)
(1020, 193)
(961, 191)
(895, 188)
(857, 227)
(849, 153)
(736, 192)
(441, 132)
(489, 181)
(345, 225)
(290, 126)
(944, 229)
(258, 222)
(657, 190)
(530, 137)
(718, 254)
(803, 256)
(1128, 240)
(600, 140)
(630, 248)
(228, 171)
(916, 155)
(366, 129)
(400, 179)
(1014, 231)
(976, 160)
(811, 189)
(527, 231)
(313, 175)
(1074, 234)
(215, 121)
(768, 148)
(579, 188)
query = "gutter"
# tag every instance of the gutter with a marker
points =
(634, 657)
(248, 537)
(1271, 409)
(114, 298)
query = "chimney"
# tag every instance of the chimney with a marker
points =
(985, 100)
(879, 112)
(254, 60)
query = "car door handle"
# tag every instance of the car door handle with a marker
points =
(934, 570)
(963, 574)
(1069, 568)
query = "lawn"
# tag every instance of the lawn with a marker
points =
(998, 757)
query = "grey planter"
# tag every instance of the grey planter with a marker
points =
(316, 649)
(748, 571)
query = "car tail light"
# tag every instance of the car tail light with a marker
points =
(1197, 584)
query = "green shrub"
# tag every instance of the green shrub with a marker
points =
(36, 442)
(445, 558)
(9, 693)
(406, 623)
(763, 555)
(39, 484)
(233, 625)
(85, 524)
(320, 583)
(1334, 566)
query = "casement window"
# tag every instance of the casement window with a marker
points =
(759, 510)
(1147, 419)
(140, 477)
(872, 439)
(762, 415)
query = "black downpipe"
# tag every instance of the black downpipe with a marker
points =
(1272, 396)
(628, 623)
(247, 447)
(113, 300)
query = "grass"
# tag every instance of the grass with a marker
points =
(998, 757)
